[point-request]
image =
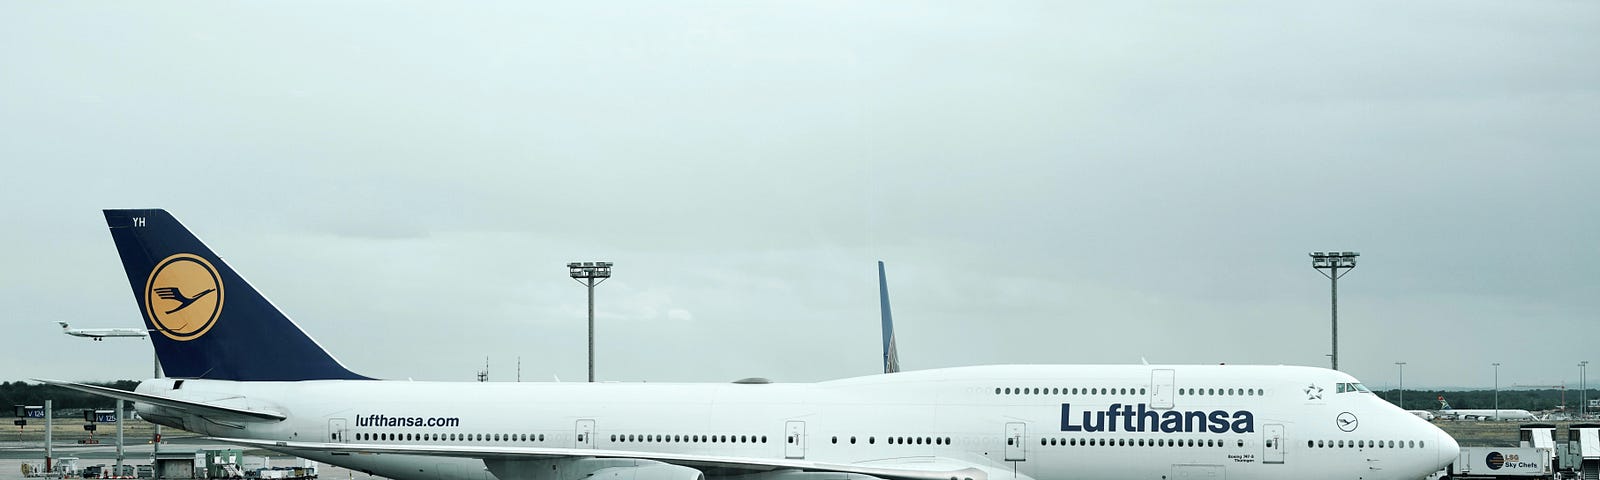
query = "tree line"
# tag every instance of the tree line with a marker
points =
(1530, 400)
(34, 394)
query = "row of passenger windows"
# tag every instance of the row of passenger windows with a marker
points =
(1252, 392)
(1366, 444)
(871, 440)
(654, 438)
(1133, 442)
(1249, 392)
(1068, 391)
(451, 437)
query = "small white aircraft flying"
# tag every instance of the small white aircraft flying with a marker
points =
(99, 334)
(997, 422)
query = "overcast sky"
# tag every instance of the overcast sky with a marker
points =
(1052, 182)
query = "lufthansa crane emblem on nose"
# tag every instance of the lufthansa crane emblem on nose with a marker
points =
(1347, 421)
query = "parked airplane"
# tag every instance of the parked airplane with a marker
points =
(1482, 413)
(1026, 422)
(99, 334)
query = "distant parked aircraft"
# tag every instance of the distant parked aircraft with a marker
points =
(1482, 413)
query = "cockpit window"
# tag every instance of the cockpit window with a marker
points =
(1353, 387)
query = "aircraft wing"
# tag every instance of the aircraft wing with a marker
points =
(920, 468)
(213, 412)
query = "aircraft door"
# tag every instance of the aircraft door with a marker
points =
(584, 434)
(1016, 448)
(1161, 388)
(794, 440)
(1272, 444)
(337, 431)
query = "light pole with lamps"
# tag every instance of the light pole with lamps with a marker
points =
(1497, 391)
(134, 333)
(1583, 388)
(1333, 261)
(1402, 366)
(590, 274)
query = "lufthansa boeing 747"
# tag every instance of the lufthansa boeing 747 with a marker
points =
(1030, 422)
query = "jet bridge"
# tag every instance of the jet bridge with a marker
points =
(1541, 436)
(1584, 444)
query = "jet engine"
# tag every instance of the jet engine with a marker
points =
(590, 469)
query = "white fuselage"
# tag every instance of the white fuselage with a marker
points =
(1488, 414)
(99, 333)
(1241, 422)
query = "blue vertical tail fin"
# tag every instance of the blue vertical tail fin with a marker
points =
(891, 357)
(204, 319)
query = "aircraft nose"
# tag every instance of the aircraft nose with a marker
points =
(1448, 449)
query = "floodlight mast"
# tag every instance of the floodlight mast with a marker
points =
(156, 444)
(590, 274)
(1333, 261)
(1402, 366)
(1496, 390)
(1583, 387)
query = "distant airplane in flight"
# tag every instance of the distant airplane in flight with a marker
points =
(99, 334)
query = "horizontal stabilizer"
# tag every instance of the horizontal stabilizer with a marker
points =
(214, 412)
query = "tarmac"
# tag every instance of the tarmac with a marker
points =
(14, 454)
